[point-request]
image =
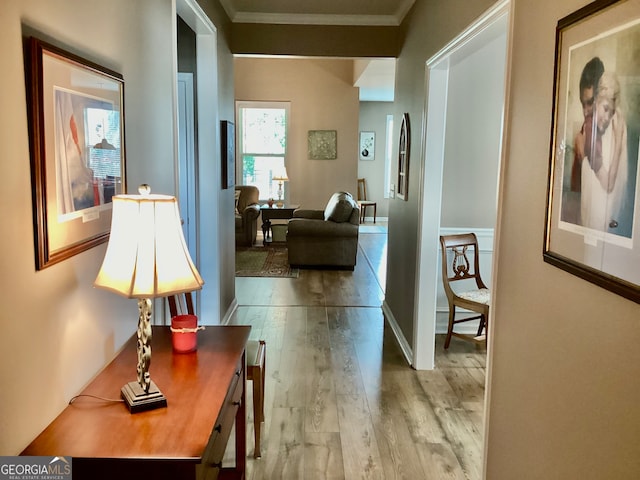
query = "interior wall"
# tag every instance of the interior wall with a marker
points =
(475, 99)
(564, 355)
(58, 331)
(225, 198)
(322, 98)
(373, 118)
(430, 25)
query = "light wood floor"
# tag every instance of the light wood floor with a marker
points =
(341, 401)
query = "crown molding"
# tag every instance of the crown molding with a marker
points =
(392, 20)
(315, 19)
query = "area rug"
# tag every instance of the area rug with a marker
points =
(271, 261)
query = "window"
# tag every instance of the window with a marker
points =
(387, 156)
(262, 144)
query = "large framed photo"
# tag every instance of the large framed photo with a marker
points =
(76, 112)
(593, 208)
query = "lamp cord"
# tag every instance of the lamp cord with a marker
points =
(114, 400)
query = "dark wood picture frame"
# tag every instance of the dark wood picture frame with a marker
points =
(76, 128)
(228, 153)
(593, 209)
(404, 150)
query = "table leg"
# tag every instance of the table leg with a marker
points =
(266, 231)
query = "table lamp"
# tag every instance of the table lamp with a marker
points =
(281, 177)
(147, 257)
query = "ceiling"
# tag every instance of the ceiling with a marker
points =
(374, 77)
(318, 12)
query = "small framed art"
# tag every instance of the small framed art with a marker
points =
(367, 145)
(404, 149)
(228, 153)
(322, 144)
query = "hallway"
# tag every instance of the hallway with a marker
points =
(341, 401)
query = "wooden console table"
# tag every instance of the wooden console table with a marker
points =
(205, 391)
(274, 213)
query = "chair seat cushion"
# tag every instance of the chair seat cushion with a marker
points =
(482, 296)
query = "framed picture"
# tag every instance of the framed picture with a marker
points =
(367, 145)
(228, 147)
(76, 110)
(322, 144)
(593, 214)
(404, 149)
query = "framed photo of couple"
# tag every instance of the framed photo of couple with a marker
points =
(592, 225)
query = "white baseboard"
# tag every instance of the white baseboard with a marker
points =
(406, 349)
(230, 311)
(378, 219)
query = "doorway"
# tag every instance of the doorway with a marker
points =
(465, 103)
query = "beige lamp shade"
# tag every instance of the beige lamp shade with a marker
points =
(281, 175)
(147, 255)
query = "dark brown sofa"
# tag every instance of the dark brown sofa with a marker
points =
(325, 238)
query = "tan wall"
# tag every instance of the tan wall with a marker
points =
(315, 40)
(564, 358)
(322, 98)
(57, 330)
(564, 382)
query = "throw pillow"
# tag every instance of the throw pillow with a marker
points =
(339, 208)
(238, 192)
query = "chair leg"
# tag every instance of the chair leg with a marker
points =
(452, 314)
(258, 408)
(481, 326)
(263, 377)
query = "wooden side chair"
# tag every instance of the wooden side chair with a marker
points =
(363, 202)
(181, 304)
(457, 266)
(256, 362)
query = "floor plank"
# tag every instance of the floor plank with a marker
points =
(340, 400)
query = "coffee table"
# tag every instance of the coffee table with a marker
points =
(274, 213)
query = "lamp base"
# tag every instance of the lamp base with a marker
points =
(138, 400)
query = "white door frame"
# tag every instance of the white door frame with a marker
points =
(206, 193)
(187, 162)
(428, 272)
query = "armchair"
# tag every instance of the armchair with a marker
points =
(246, 214)
(328, 237)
